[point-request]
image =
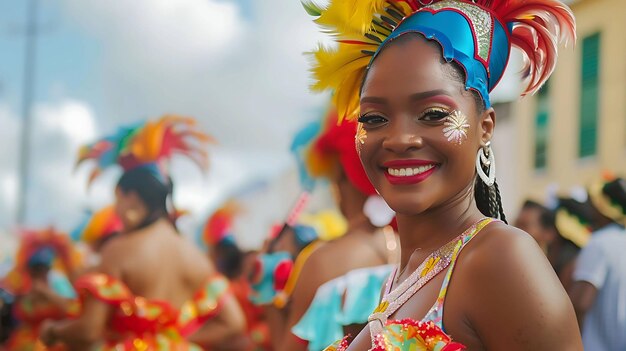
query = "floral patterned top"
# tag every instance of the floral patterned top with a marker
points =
(427, 334)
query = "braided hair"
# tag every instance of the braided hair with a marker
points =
(488, 199)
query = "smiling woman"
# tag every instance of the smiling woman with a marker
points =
(425, 70)
(410, 99)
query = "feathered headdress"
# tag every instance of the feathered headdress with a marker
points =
(149, 145)
(219, 227)
(477, 34)
(299, 148)
(100, 225)
(39, 247)
(333, 148)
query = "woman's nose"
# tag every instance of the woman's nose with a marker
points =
(403, 137)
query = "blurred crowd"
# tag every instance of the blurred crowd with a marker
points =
(583, 237)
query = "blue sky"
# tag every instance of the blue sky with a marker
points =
(65, 55)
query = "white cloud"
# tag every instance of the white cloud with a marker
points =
(8, 159)
(73, 119)
(165, 32)
(54, 190)
(244, 78)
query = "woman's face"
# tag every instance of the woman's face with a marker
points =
(130, 209)
(421, 129)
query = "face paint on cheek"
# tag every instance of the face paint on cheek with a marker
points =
(455, 127)
(359, 138)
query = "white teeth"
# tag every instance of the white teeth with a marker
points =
(408, 172)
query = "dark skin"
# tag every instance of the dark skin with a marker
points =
(529, 220)
(333, 259)
(130, 258)
(484, 308)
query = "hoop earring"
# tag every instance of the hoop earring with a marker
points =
(486, 158)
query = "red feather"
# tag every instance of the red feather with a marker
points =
(538, 28)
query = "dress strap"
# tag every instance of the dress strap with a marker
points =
(282, 298)
(436, 312)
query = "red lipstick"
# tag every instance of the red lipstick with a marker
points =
(404, 172)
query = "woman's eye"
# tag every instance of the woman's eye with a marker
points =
(435, 115)
(372, 119)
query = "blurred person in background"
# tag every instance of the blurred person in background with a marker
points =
(599, 289)
(275, 270)
(541, 223)
(331, 155)
(573, 219)
(42, 293)
(538, 221)
(230, 261)
(152, 288)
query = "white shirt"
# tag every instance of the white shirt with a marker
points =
(602, 263)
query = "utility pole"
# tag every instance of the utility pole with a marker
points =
(27, 101)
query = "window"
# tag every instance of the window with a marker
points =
(587, 145)
(541, 127)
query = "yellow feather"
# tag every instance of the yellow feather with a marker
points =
(332, 62)
(344, 17)
(342, 70)
(347, 96)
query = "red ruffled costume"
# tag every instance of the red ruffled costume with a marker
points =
(138, 323)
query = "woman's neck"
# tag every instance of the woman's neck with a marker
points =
(427, 231)
(148, 223)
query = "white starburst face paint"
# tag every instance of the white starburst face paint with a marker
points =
(359, 138)
(455, 127)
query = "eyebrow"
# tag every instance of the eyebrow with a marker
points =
(413, 97)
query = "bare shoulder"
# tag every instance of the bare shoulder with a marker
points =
(319, 267)
(113, 256)
(508, 278)
(501, 243)
(501, 252)
(318, 263)
(342, 249)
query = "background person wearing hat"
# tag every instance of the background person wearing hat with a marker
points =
(599, 289)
